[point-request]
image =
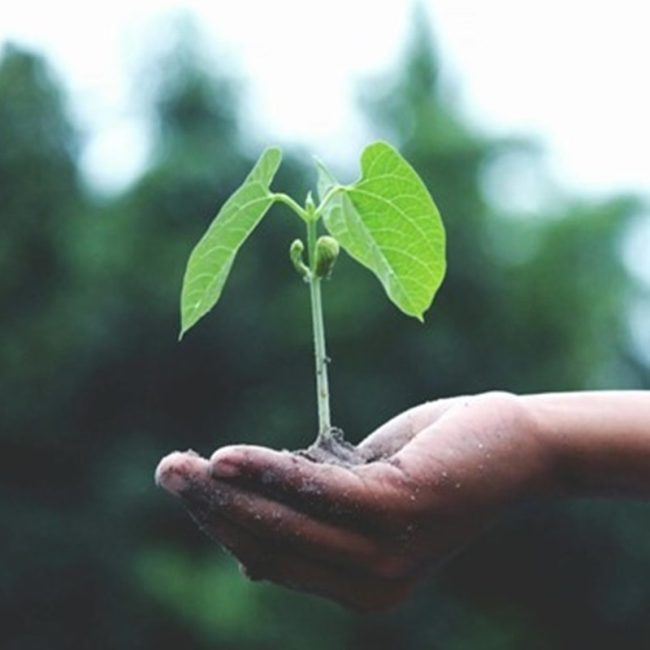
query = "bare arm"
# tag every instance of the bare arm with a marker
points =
(435, 476)
(600, 440)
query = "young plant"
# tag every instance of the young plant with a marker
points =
(386, 220)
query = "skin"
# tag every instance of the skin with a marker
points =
(435, 476)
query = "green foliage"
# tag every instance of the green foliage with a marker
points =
(389, 223)
(212, 258)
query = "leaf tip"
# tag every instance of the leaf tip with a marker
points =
(321, 168)
(274, 154)
(186, 325)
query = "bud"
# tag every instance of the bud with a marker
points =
(327, 250)
(310, 206)
(295, 253)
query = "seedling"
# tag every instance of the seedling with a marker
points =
(386, 220)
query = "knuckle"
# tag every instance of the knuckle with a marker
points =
(498, 394)
(499, 399)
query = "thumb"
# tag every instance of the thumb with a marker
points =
(393, 435)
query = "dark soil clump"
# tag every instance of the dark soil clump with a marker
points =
(331, 447)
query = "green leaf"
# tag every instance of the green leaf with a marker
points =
(388, 222)
(212, 258)
(325, 181)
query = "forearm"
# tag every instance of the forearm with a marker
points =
(599, 441)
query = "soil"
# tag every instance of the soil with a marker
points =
(332, 447)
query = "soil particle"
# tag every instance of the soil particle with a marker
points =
(331, 447)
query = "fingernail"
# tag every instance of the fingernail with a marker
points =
(168, 477)
(176, 470)
(173, 482)
(223, 468)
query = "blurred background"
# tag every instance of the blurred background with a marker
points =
(124, 128)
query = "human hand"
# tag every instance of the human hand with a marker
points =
(361, 535)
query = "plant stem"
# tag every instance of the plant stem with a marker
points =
(330, 193)
(322, 388)
(289, 202)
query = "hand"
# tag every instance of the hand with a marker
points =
(362, 535)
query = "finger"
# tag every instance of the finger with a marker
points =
(349, 587)
(362, 593)
(450, 457)
(186, 475)
(210, 500)
(394, 434)
(177, 470)
(454, 431)
(280, 526)
(358, 495)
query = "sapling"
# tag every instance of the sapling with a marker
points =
(387, 221)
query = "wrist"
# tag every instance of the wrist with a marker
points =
(539, 455)
(542, 428)
(597, 443)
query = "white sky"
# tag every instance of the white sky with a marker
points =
(571, 73)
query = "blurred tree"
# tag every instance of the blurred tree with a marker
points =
(39, 187)
(42, 471)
